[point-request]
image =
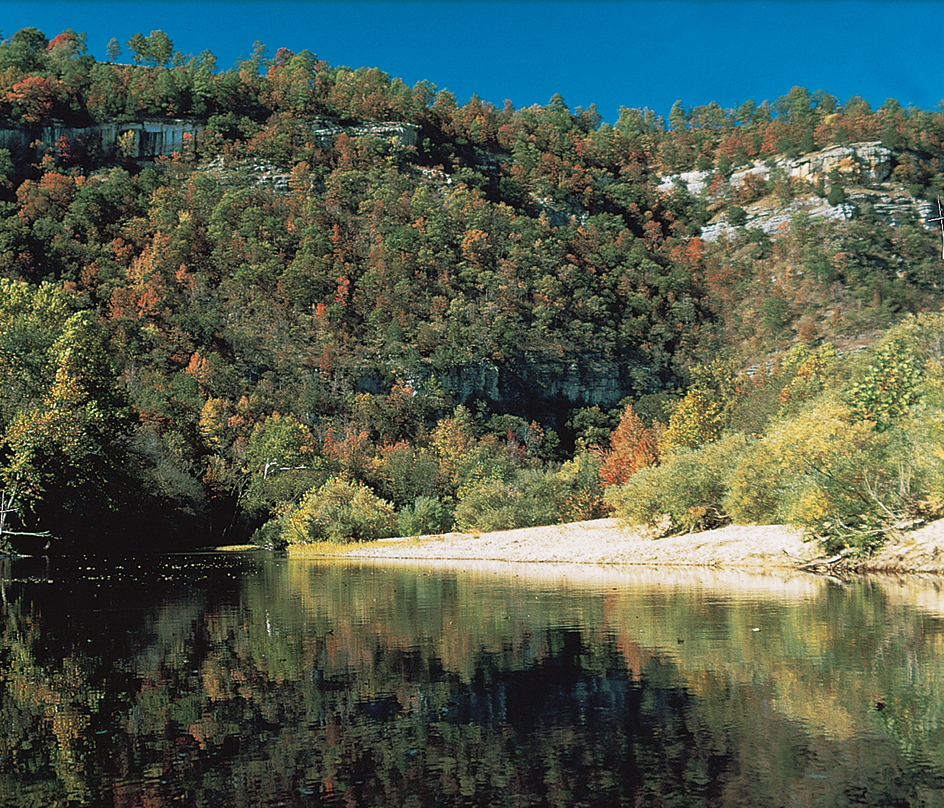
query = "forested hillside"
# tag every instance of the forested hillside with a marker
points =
(301, 324)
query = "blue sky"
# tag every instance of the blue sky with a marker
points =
(613, 53)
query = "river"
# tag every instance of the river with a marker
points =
(251, 680)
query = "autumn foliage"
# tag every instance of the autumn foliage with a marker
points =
(633, 446)
(344, 278)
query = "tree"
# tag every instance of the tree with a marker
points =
(65, 457)
(452, 440)
(31, 320)
(26, 50)
(112, 49)
(632, 446)
(138, 45)
(888, 387)
(340, 511)
(678, 118)
(68, 45)
(159, 48)
(281, 462)
(32, 99)
(820, 471)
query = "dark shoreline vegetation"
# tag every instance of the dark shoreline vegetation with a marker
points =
(343, 308)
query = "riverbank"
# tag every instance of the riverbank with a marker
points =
(605, 541)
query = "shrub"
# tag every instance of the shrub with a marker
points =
(737, 216)
(818, 471)
(529, 500)
(579, 491)
(488, 505)
(269, 535)
(340, 511)
(404, 473)
(836, 196)
(427, 515)
(702, 415)
(684, 494)
(888, 386)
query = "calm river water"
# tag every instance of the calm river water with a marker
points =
(249, 680)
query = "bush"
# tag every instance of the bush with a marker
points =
(888, 385)
(579, 491)
(818, 471)
(269, 535)
(405, 473)
(737, 216)
(531, 499)
(426, 516)
(684, 494)
(488, 505)
(340, 511)
(836, 196)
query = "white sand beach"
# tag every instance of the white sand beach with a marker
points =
(605, 541)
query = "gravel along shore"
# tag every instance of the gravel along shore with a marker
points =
(605, 541)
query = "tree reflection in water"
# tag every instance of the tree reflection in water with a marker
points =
(250, 680)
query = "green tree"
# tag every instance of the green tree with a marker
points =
(282, 464)
(113, 50)
(159, 48)
(138, 45)
(678, 118)
(66, 457)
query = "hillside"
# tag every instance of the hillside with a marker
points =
(225, 292)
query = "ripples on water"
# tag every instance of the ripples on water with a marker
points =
(244, 679)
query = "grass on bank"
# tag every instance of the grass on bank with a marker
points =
(318, 549)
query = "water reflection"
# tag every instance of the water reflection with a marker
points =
(249, 680)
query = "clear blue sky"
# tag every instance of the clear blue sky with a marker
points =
(613, 53)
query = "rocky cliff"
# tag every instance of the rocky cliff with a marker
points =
(155, 138)
(535, 385)
(865, 171)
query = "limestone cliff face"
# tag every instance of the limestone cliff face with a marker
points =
(538, 386)
(857, 164)
(150, 138)
(541, 382)
(155, 138)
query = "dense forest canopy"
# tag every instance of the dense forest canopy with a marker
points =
(304, 324)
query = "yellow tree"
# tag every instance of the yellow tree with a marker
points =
(452, 440)
(704, 413)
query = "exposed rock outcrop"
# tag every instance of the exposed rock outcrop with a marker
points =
(894, 207)
(150, 138)
(534, 385)
(326, 132)
(164, 137)
(867, 163)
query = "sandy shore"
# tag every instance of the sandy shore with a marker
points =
(604, 541)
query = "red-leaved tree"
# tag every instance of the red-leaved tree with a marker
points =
(633, 446)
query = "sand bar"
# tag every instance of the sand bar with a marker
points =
(606, 541)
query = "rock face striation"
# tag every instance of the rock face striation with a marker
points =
(156, 138)
(534, 385)
(149, 139)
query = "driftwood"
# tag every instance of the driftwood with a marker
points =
(17, 545)
(828, 563)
